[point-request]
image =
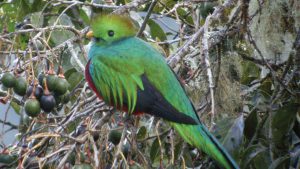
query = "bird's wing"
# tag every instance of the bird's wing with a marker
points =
(151, 101)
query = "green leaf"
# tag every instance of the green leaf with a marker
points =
(250, 153)
(230, 132)
(280, 162)
(154, 150)
(11, 26)
(185, 15)
(69, 72)
(84, 16)
(250, 72)
(22, 41)
(178, 150)
(234, 136)
(37, 5)
(9, 19)
(16, 107)
(266, 88)
(282, 123)
(222, 128)
(169, 3)
(251, 123)
(73, 77)
(23, 9)
(8, 9)
(141, 134)
(262, 160)
(156, 31)
(60, 36)
(36, 19)
(206, 9)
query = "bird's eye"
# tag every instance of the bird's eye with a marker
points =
(111, 33)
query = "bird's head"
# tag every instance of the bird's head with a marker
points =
(110, 28)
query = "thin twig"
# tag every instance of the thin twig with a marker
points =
(153, 3)
(86, 4)
(132, 5)
(205, 59)
(63, 160)
(49, 28)
(13, 126)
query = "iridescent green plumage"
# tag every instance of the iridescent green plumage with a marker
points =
(126, 71)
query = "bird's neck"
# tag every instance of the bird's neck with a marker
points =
(105, 44)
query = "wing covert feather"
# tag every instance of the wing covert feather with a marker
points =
(114, 83)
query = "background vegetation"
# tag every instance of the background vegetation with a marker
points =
(239, 61)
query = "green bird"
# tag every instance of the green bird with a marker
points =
(131, 75)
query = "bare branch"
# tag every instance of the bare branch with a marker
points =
(183, 50)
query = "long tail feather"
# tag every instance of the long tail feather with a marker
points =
(200, 137)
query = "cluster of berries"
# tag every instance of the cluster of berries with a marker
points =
(45, 93)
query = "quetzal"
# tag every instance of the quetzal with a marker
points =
(131, 75)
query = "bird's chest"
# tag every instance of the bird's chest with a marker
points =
(89, 79)
(90, 82)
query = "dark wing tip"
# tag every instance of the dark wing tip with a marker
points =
(151, 101)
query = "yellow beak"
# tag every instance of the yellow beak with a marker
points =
(90, 34)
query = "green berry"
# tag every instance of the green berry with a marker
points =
(20, 86)
(51, 81)
(8, 80)
(32, 107)
(61, 86)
